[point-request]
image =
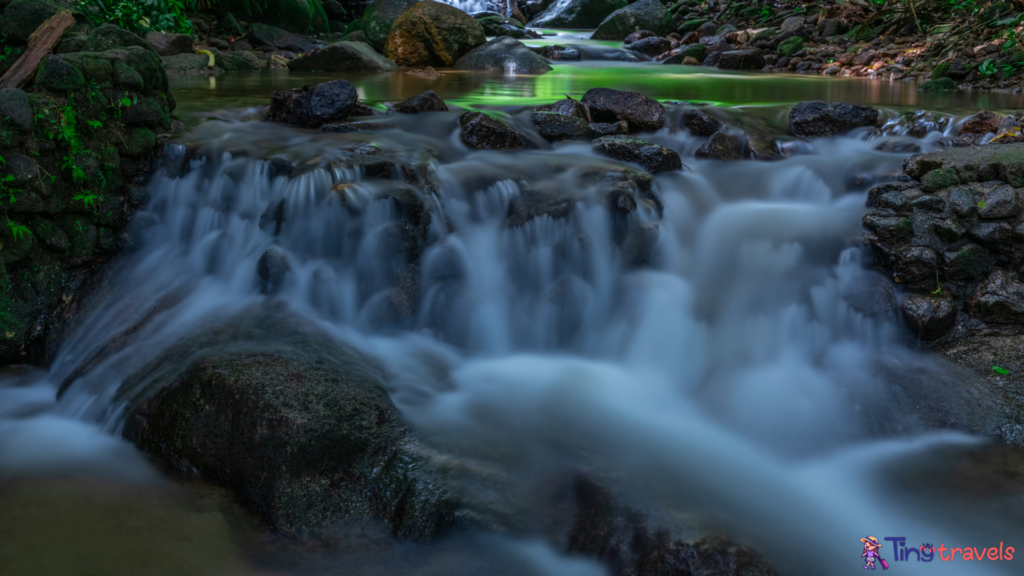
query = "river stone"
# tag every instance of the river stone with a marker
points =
(695, 51)
(503, 54)
(999, 300)
(929, 318)
(640, 112)
(379, 18)
(299, 426)
(482, 132)
(343, 57)
(58, 75)
(427, 101)
(651, 46)
(816, 118)
(722, 146)
(22, 17)
(577, 14)
(741, 60)
(642, 15)
(984, 122)
(599, 129)
(707, 29)
(559, 53)
(567, 107)
(790, 46)
(699, 123)
(16, 109)
(638, 36)
(278, 38)
(171, 44)
(313, 107)
(432, 34)
(272, 268)
(111, 37)
(792, 24)
(652, 157)
(557, 127)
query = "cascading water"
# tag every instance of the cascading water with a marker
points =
(703, 353)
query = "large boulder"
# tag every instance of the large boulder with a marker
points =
(583, 14)
(557, 127)
(652, 157)
(750, 59)
(503, 54)
(432, 34)
(171, 44)
(22, 17)
(818, 118)
(640, 112)
(929, 317)
(379, 17)
(279, 38)
(343, 57)
(297, 425)
(643, 15)
(313, 107)
(108, 37)
(291, 15)
(483, 132)
(427, 101)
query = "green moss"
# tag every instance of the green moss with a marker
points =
(56, 74)
(972, 261)
(691, 25)
(790, 46)
(940, 85)
(941, 71)
(138, 142)
(940, 178)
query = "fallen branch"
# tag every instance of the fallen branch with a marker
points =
(40, 43)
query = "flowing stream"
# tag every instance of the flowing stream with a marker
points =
(715, 367)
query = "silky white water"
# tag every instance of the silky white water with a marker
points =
(727, 379)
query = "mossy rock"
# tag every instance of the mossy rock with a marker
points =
(433, 34)
(110, 37)
(765, 35)
(379, 18)
(941, 71)
(138, 142)
(940, 178)
(22, 17)
(92, 65)
(16, 109)
(691, 25)
(941, 85)
(790, 46)
(56, 74)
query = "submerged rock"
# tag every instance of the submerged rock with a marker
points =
(640, 112)
(651, 46)
(427, 101)
(307, 107)
(652, 157)
(482, 132)
(642, 15)
(503, 54)
(343, 57)
(432, 34)
(816, 118)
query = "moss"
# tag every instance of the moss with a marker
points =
(970, 262)
(790, 46)
(138, 142)
(56, 74)
(940, 178)
(940, 85)
(691, 25)
(941, 71)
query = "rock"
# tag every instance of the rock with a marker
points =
(599, 129)
(313, 107)
(640, 112)
(897, 147)
(22, 17)
(433, 34)
(16, 109)
(694, 51)
(171, 44)
(984, 122)
(792, 24)
(197, 64)
(290, 15)
(503, 54)
(639, 35)
(427, 101)
(567, 107)
(642, 15)
(343, 57)
(790, 46)
(560, 53)
(999, 300)
(929, 318)
(557, 127)
(241, 46)
(503, 26)
(272, 268)
(578, 14)
(110, 37)
(264, 34)
(741, 60)
(999, 202)
(58, 75)
(952, 166)
(940, 85)
(722, 146)
(699, 123)
(969, 263)
(482, 132)
(816, 118)
(707, 29)
(651, 46)
(298, 426)
(652, 157)
(380, 17)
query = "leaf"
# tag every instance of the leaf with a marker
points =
(999, 370)
(982, 205)
(126, 102)
(17, 230)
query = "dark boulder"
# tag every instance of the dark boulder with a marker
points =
(313, 107)
(432, 34)
(22, 17)
(380, 16)
(503, 54)
(599, 129)
(482, 132)
(567, 107)
(984, 122)
(16, 108)
(929, 318)
(56, 74)
(343, 57)
(171, 44)
(816, 118)
(652, 157)
(278, 38)
(560, 53)
(427, 101)
(580, 14)
(999, 300)
(556, 127)
(110, 37)
(272, 268)
(722, 146)
(651, 46)
(699, 123)
(642, 15)
(696, 51)
(641, 113)
(741, 60)
(639, 35)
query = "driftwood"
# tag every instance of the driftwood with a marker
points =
(40, 43)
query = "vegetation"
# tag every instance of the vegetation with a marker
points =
(144, 16)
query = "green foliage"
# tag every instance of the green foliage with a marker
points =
(999, 370)
(19, 231)
(88, 199)
(95, 124)
(938, 285)
(141, 16)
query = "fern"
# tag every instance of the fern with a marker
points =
(19, 231)
(87, 199)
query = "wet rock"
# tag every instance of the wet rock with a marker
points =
(577, 14)
(533, 203)
(642, 15)
(313, 107)
(928, 317)
(889, 228)
(427, 101)
(968, 263)
(991, 232)
(598, 129)
(1000, 202)
(298, 426)
(790, 46)
(652, 157)
(694, 51)
(557, 53)
(639, 35)
(22, 17)
(949, 167)
(567, 107)
(379, 18)
(482, 132)
(278, 38)
(503, 54)
(640, 112)
(638, 245)
(699, 123)
(16, 109)
(999, 300)
(898, 147)
(171, 44)
(433, 34)
(343, 57)
(741, 60)
(817, 118)
(913, 264)
(939, 85)
(557, 127)
(872, 295)
(272, 268)
(651, 46)
(722, 146)
(984, 122)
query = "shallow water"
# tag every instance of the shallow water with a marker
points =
(727, 382)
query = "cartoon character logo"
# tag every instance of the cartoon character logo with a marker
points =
(870, 555)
